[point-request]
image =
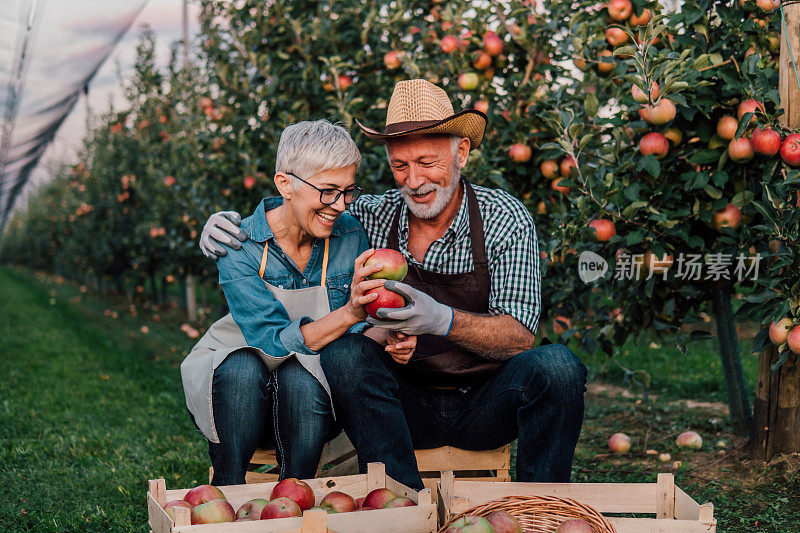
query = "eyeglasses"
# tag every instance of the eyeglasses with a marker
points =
(331, 196)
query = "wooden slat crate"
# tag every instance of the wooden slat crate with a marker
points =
(488, 465)
(673, 510)
(419, 519)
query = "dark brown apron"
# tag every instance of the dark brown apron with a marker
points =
(437, 361)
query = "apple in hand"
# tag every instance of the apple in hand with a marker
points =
(575, 525)
(295, 490)
(766, 141)
(790, 150)
(778, 331)
(619, 443)
(213, 512)
(252, 509)
(169, 507)
(378, 498)
(281, 507)
(394, 264)
(338, 502)
(386, 298)
(504, 522)
(203, 494)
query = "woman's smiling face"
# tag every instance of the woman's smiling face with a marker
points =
(315, 218)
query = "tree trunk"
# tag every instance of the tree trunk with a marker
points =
(776, 412)
(191, 298)
(731, 359)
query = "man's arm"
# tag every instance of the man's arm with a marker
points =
(509, 337)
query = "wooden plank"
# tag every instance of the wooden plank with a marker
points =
(345, 468)
(159, 520)
(315, 521)
(376, 476)
(158, 489)
(707, 513)
(260, 477)
(420, 519)
(276, 525)
(336, 448)
(264, 457)
(450, 458)
(787, 83)
(665, 502)
(654, 525)
(685, 506)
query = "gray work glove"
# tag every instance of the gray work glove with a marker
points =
(421, 314)
(221, 228)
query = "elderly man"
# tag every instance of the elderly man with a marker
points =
(475, 381)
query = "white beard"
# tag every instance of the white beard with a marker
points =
(442, 196)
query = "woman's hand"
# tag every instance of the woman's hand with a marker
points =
(400, 346)
(361, 284)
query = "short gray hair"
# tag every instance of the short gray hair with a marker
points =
(313, 146)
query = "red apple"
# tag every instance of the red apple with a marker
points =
(471, 524)
(575, 525)
(360, 502)
(169, 507)
(604, 229)
(654, 144)
(339, 502)
(386, 298)
(605, 61)
(561, 324)
(213, 512)
(726, 127)
(690, 440)
(790, 150)
(560, 188)
(549, 168)
(249, 182)
(492, 43)
(619, 10)
(566, 166)
(619, 443)
(482, 61)
(616, 36)
(659, 114)
(640, 96)
(504, 522)
(203, 494)
(749, 106)
(378, 498)
(520, 153)
(296, 490)
(282, 507)
(641, 20)
(252, 509)
(449, 43)
(767, 5)
(328, 510)
(729, 217)
(673, 135)
(468, 81)
(400, 501)
(793, 338)
(766, 141)
(482, 106)
(394, 264)
(658, 265)
(392, 60)
(778, 331)
(740, 150)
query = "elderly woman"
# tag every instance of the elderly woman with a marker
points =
(296, 284)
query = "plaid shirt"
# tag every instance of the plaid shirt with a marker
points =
(511, 247)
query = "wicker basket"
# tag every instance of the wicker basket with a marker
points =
(540, 514)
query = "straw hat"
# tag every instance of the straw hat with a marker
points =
(419, 107)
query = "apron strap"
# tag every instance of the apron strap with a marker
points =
(324, 262)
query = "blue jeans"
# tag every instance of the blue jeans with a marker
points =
(535, 397)
(254, 407)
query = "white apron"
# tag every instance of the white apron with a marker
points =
(224, 337)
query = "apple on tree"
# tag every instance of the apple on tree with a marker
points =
(659, 114)
(654, 144)
(766, 141)
(726, 127)
(520, 153)
(604, 229)
(620, 10)
(449, 43)
(468, 81)
(728, 217)
(640, 96)
(790, 150)
(549, 169)
(793, 339)
(779, 331)
(741, 150)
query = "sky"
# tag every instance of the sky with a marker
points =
(165, 19)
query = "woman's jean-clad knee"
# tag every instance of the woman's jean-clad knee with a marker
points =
(254, 407)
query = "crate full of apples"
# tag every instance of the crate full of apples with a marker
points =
(347, 504)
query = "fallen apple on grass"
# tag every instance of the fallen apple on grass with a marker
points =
(296, 490)
(690, 440)
(619, 443)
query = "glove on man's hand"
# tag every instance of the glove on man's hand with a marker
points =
(421, 314)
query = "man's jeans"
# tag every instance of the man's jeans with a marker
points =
(253, 407)
(536, 396)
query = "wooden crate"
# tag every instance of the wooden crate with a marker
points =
(419, 519)
(673, 510)
(487, 465)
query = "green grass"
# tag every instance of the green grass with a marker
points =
(92, 407)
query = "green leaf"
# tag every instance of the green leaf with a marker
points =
(624, 51)
(704, 157)
(650, 164)
(743, 123)
(591, 104)
(742, 198)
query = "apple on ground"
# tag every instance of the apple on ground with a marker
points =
(575, 525)
(520, 153)
(252, 508)
(203, 494)
(549, 168)
(639, 95)
(790, 150)
(213, 512)
(729, 217)
(604, 229)
(690, 440)
(295, 489)
(394, 264)
(281, 507)
(338, 502)
(766, 141)
(793, 338)
(654, 144)
(470, 524)
(378, 498)
(726, 127)
(504, 522)
(741, 150)
(659, 114)
(619, 443)
(169, 507)
(620, 10)
(779, 331)
(400, 501)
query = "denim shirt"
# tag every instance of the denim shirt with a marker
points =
(261, 317)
